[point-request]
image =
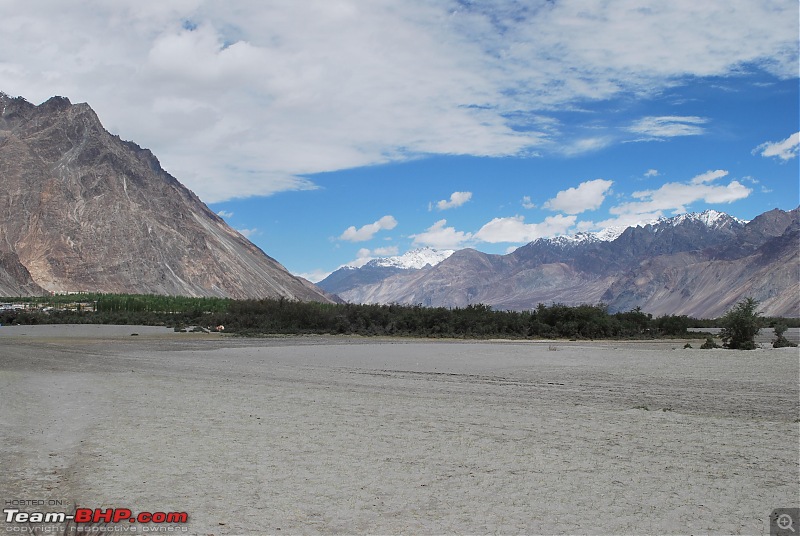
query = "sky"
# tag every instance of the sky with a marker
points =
(330, 132)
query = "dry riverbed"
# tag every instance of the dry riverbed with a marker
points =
(345, 435)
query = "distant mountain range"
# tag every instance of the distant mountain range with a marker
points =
(347, 281)
(83, 210)
(693, 264)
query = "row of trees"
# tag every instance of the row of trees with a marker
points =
(253, 317)
(124, 303)
(135, 303)
(554, 321)
(281, 316)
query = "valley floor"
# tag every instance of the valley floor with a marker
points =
(339, 435)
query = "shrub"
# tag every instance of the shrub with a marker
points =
(740, 325)
(709, 344)
(781, 341)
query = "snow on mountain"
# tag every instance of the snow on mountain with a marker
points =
(412, 260)
(609, 234)
(605, 235)
(710, 218)
(355, 276)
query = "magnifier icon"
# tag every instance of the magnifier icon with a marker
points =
(784, 522)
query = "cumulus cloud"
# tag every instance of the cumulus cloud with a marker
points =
(369, 230)
(514, 229)
(254, 100)
(587, 195)
(456, 200)
(675, 197)
(438, 236)
(669, 126)
(651, 173)
(785, 150)
(225, 214)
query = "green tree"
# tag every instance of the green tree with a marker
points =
(740, 325)
(781, 341)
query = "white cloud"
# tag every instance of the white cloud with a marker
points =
(247, 233)
(365, 255)
(651, 173)
(709, 176)
(315, 276)
(369, 230)
(585, 145)
(225, 214)
(785, 150)
(676, 196)
(456, 200)
(630, 219)
(387, 251)
(588, 195)
(253, 100)
(527, 203)
(438, 236)
(669, 126)
(514, 229)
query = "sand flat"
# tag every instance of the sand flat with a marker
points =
(336, 435)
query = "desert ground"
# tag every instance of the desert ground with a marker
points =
(334, 435)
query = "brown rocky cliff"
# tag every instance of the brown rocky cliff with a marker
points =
(84, 210)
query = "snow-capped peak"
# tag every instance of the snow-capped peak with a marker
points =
(608, 234)
(568, 240)
(414, 259)
(710, 218)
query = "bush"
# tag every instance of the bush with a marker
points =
(709, 344)
(781, 341)
(740, 325)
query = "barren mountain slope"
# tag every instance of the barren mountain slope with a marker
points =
(85, 211)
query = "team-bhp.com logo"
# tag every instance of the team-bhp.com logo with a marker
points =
(109, 516)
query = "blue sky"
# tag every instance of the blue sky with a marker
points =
(333, 131)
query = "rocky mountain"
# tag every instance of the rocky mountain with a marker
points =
(346, 281)
(83, 210)
(15, 280)
(693, 264)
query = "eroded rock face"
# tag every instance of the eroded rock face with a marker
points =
(15, 280)
(83, 210)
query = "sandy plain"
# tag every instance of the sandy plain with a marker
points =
(331, 435)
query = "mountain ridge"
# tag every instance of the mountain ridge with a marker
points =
(85, 210)
(697, 264)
